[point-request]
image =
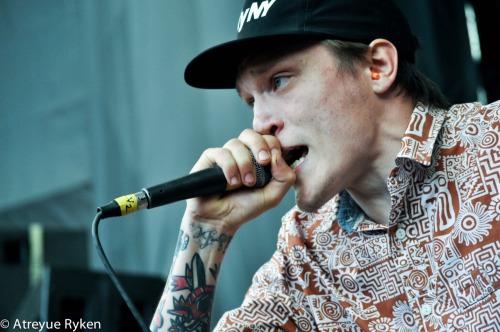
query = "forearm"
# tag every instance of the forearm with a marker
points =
(187, 300)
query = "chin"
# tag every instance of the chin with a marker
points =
(307, 205)
(311, 201)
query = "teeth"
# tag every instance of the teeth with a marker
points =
(296, 163)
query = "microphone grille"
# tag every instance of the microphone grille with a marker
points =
(262, 174)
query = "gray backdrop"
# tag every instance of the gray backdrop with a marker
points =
(93, 105)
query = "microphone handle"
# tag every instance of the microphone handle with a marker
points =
(206, 182)
(202, 183)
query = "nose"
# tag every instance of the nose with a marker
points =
(266, 120)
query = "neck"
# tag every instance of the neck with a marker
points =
(370, 192)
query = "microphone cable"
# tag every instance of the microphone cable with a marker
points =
(206, 182)
(112, 274)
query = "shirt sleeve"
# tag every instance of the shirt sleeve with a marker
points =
(270, 304)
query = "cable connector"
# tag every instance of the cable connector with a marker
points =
(124, 205)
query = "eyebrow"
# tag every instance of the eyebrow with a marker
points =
(266, 62)
(257, 70)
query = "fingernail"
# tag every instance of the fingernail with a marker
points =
(249, 178)
(234, 180)
(263, 155)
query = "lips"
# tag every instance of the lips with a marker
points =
(295, 156)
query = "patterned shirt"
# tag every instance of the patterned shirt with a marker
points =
(434, 267)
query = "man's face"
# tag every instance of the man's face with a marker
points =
(321, 117)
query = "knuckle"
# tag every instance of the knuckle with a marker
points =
(232, 143)
(247, 132)
(272, 141)
(210, 151)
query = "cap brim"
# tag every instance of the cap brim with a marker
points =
(217, 67)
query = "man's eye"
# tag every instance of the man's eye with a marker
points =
(280, 81)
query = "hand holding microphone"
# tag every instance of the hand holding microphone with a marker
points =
(203, 181)
(206, 182)
(225, 212)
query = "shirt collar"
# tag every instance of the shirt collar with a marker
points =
(421, 134)
(349, 214)
(352, 219)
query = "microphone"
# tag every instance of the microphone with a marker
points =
(206, 182)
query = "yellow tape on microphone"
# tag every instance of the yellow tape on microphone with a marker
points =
(128, 204)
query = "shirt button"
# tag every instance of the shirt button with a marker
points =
(400, 234)
(426, 310)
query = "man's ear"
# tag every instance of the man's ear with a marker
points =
(384, 65)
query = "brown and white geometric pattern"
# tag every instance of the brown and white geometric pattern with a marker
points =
(436, 267)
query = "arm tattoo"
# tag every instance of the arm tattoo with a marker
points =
(193, 308)
(205, 238)
(193, 311)
(182, 242)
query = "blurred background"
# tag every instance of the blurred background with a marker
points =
(93, 106)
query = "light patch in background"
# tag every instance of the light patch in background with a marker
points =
(475, 45)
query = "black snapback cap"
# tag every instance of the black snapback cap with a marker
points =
(262, 23)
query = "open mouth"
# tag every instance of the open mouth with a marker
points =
(295, 156)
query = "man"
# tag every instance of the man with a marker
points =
(395, 227)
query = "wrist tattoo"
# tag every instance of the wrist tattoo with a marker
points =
(182, 242)
(205, 238)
